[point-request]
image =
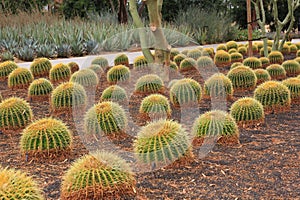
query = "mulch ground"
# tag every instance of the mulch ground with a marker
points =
(265, 165)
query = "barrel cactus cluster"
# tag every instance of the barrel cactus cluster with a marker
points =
(6, 68)
(85, 77)
(291, 67)
(293, 84)
(262, 75)
(150, 83)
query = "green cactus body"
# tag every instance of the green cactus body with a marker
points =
(140, 63)
(262, 75)
(218, 86)
(150, 83)
(20, 78)
(221, 47)
(15, 113)
(298, 53)
(236, 57)
(40, 67)
(255, 49)
(178, 58)
(298, 45)
(74, 67)
(46, 136)
(173, 66)
(291, 67)
(222, 58)
(293, 49)
(118, 73)
(114, 93)
(59, 73)
(194, 53)
(121, 59)
(187, 64)
(276, 57)
(236, 64)
(1, 98)
(242, 50)
(247, 112)
(274, 96)
(6, 68)
(242, 78)
(253, 62)
(208, 52)
(15, 184)
(101, 61)
(173, 53)
(97, 69)
(276, 71)
(231, 45)
(262, 51)
(185, 91)
(293, 84)
(231, 51)
(184, 52)
(40, 89)
(259, 45)
(285, 49)
(85, 77)
(99, 175)
(161, 142)
(270, 43)
(205, 63)
(297, 59)
(265, 62)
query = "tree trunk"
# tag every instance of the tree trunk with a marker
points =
(122, 14)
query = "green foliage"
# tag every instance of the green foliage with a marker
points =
(19, 78)
(14, 7)
(222, 58)
(178, 58)
(242, 50)
(99, 175)
(194, 53)
(187, 64)
(6, 68)
(247, 112)
(6, 56)
(59, 73)
(121, 59)
(242, 78)
(275, 57)
(114, 93)
(262, 75)
(253, 62)
(118, 73)
(40, 67)
(40, 89)
(231, 45)
(218, 86)
(15, 184)
(276, 71)
(15, 113)
(291, 67)
(74, 67)
(140, 62)
(25, 53)
(63, 51)
(236, 57)
(265, 62)
(101, 61)
(293, 84)
(150, 83)
(85, 77)
(107, 117)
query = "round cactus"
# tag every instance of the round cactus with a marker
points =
(285, 49)
(187, 64)
(247, 112)
(155, 106)
(205, 63)
(276, 71)
(46, 136)
(40, 89)
(253, 62)
(222, 58)
(20, 78)
(59, 73)
(218, 85)
(173, 53)
(6, 68)
(274, 96)
(242, 50)
(97, 69)
(118, 73)
(161, 142)
(107, 117)
(262, 51)
(208, 52)
(101, 61)
(265, 62)
(298, 53)
(293, 49)
(100, 175)
(255, 49)
(259, 45)
(262, 75)
(140, 62)
(242, 78)
(185, 91)
(150, 83)
(85, 77)
(121, 59)
(291, 67)
(231, 51)
(114, 93)
(194, 53)
(236, 64)
(236, 57)
(216, 123)
(222, 47)
(184, 52)
(15, 113)
(270, 43)
(298, 45)
(231, 45)
(68, 96)
(74, 67)
(293, 84)
(40, 67)
(173, 66)
(15, 184)
(178, 58)
(276, 57)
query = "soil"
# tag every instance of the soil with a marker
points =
(264, 165)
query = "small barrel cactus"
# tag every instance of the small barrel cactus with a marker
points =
(99, 175)
(293, 84)
(274, 96)
(208, 52)
(40, 89)
(236, 64)
(231, 51)
(114, 93)
(242, 78)
(194, 53)
(218, 86)
(184, 52)
(68, 96)
(222, 58)
(247, 112)
(262, 51)
(97, 69)
(121, 59)
(298, 53)
(45, 137)
(293, 49)
(221, 47)
(59, 73)
(178, 58)
(185, 91)
(265, 62)
(118, 73)
(140, 63)
(262, 75)
(20, 78)
(173, 66)
(231, 45)
(187, 64)
(253, 62)
(276, 71)
(15, 184)
(101, 61)
(161, 142)
(40, 67)
(276, 57)
(6, 68)
(74, 67)
(270, 43)
(255, 49)
(242, 50)
(15, 113)
(205, 63)
(236, 57)
(106, 117)
(174, 52)
(291, 67)
(285, 49)
(85, 77)
(150, 83)
(259, 45)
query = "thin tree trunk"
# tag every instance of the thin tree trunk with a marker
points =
(112, 6)
(122, 14)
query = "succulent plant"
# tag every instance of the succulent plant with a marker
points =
(293, 49)
(99, 175)
(297, 59)
(6, 56)
(101, 61)
(291, 67)
(187, 64)
(231, 51)
(285, 49)
(59, 73)
(6, 68)
(194, 53)
(40, 67)
(121, 59)
(15, 113)
(270, 43)
(218, 86)
(140, 62)
(276, 71)
(231, 45)
(174, 52)
(20, 78)
(274, 96)
(276, 57)
(242, 50)
(173, 66)
(45, 136)
(205, 63)
(25, 53)
(178, 58)
(1, 98)
(265, 62)
(97, 69)
(15, 184)
(74, 67)
(64, 51)
(45, 50)
(253, 62)
(242, 78)
(298, 45)
(236, 64)
(85, 77)
(298, 53)
(259, 45)
(236, 57)
(40, 89)
(118, 73)
(247, 111)
(221, 47)
(185, 92)
(114, 93)
(222, 58)
(255, 49)
(184, 52)
(67, 97)
(262, 51)
(289, 43)
(161, 142)
(107, 117)
(293, 84)
(208, 52)
(149, 83)
(262, 75)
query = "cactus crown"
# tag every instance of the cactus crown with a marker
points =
(236, 64)
(155, 104)
(101, 61)
(293, 84)
(291, 67)
(85, 77)
(118, 73)
(40, 88)
(221, 47)
(121, 59)
(187, 64)
(208, 52)
(242, 78)
(253, 62)
(174, 52)
(149, 83)
(231, 45)
(222, 58)
(40, 67)
(218, 86)
(275, 57)
(262, 75)
(20, 78)
(114, 93)
(205, 62)
(236, 57)
(231, 51)
(264, 61)
(194, 53)
(173, 66)
(59, 73)
(178, 58)
(262, 51)
(285, 49)
(140, 62)
(276, 71)
(293, 48)
(242, 50)
(6, 68)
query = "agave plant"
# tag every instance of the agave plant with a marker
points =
(26, 53)
(45, 50)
